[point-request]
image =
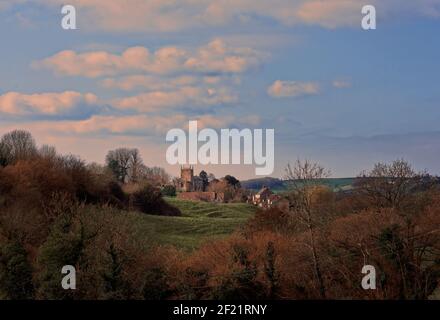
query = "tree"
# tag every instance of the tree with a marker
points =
(391, 185)
(67, 244)
(16, 145)
(124, 163)
(114, 282)
(270, 269)
(204, 178)
(398, 190)
(47, 152)
(15, 272)
(156, 176)
(232, 181)
(304, 178)
(4, 155)
(149, 200)
(211, 177)
(242, 281)
(135, 166)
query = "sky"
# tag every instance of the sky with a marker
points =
(334, 93)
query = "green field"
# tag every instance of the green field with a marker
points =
(199, 222)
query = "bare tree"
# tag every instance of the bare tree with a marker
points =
(389, 185)
(135, 166)
(47, 152)
(120, 161)
(127, 165)
(156, 175)
(398, 188)
(304, 178)
(17, 145)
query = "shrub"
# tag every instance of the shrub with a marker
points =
(272, 220)
(149, 200)
(15, 272)
(169, 191)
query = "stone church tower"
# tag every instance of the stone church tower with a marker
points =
(187, 179)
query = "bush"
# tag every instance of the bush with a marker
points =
(149, 200)
(169, 191)
(272, 220)
(15, 273)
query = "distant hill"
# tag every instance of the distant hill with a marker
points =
(257, 184)
(278, 185)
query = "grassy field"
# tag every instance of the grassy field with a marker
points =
(200, 221)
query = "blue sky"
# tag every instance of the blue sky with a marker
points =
(346, 97)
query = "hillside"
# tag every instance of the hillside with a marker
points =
(278, 185)
(199, 221)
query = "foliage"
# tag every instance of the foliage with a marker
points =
(15, 272)
(168, 191)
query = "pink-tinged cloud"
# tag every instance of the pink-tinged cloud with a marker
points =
(148, 82)
(132, 124)
(19, 104)
(184, 97)
(177, 15)
(214, 57)
(331, 14)
(284, 89)
(218, 57)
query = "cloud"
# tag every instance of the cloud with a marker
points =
(331, 14)
(183, 97)
(215, 57)
(101, 63)
(154, 83)
(283, 89)
(218, 57)
(219, 122)
(126, 125)
(19, 104)
(177, 15)
(341, 84)
(158, 83)
(132, 125)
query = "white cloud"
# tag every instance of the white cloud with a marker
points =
(15, 103)
(283, 89)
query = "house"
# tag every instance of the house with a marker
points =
(265, 198)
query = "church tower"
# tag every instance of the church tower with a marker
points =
(187, 178)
